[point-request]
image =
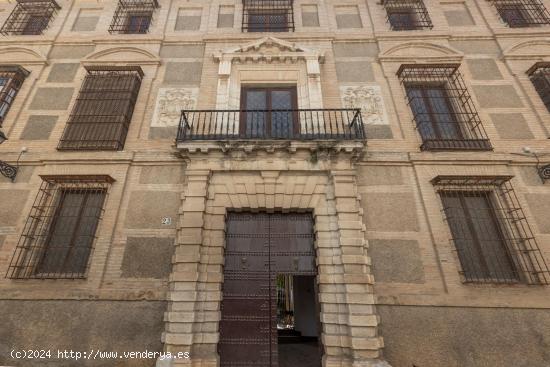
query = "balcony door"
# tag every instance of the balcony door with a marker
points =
(269, 113)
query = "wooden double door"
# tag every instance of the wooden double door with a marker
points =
(269, 112)
(259, 247)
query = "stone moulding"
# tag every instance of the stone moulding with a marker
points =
(528, 50)
(22, 56)
(122, 56)
(268, 50)
(229, 146)
(421, 51)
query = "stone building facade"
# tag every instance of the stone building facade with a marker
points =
(398, 282)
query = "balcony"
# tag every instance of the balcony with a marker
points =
(277, 125)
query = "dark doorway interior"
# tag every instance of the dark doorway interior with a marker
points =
(297, 321)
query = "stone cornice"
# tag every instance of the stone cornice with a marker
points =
(269, 146)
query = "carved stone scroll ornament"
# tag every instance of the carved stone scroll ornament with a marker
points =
(7, 170)
(369, 99)
(170, 103)
(544, 172)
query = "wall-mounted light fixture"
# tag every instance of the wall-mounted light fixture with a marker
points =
(6, 169)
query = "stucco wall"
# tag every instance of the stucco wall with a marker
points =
(465, 337)
(117, 326)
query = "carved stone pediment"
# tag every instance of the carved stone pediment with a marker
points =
(282, 56)
(270, 50)
(268, 43)
(266, 46)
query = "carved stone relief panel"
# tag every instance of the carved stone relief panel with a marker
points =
(369, 99)
(170, 102)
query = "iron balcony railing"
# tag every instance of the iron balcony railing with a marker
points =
(283, 124)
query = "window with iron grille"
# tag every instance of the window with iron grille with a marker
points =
(540, 77)
(522, 13)
(493, 240)
(30, 17)
(103, 109)
(268, 16)
(407, 15)
(59, 234)
(443, 111)
(11, 78)
(133, 16)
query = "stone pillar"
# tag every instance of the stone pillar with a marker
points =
(363, 340)
(314, 82)
(224, 79)
(331, 291)
(184, 284)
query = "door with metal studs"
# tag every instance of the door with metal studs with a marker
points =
(259, 246)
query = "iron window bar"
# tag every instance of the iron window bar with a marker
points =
(443, 111)
(275, 124)
(11, 79)
(60, 231)
(522, 13)
(268, 16)
(30, 17)
(540, 77)
(103, 109)
(133, 16)
(407, 15)
(490, 232)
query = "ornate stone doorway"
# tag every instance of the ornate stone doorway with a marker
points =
(278, 178)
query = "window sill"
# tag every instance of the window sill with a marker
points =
(435, 145)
